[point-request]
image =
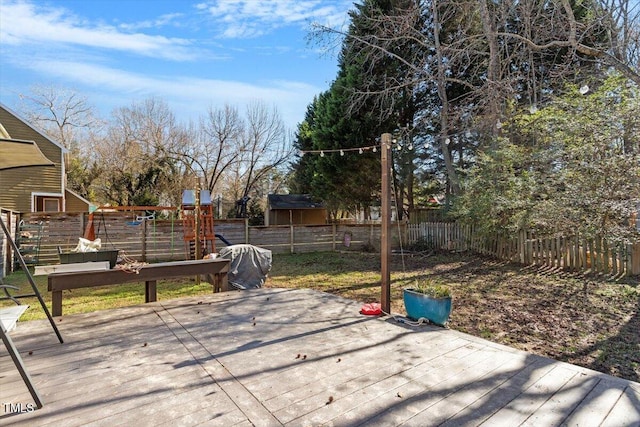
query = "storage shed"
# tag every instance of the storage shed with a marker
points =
(300, 209)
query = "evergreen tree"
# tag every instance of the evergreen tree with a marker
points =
(345, 180)
(302, 168)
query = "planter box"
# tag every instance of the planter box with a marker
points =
(77, 257)
(436, 310)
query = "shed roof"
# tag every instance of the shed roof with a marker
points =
(292, 201)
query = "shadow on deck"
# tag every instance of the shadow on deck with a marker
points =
(291, 357)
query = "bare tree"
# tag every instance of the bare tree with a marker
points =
(265, 144)
(138, 154)
(62, 113)
(480, 56)
(67, 117)
(212, 147)
(232, 155)
(609, 33)
(263, 147)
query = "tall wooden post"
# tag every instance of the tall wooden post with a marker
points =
(197, 212)
(198, 225)
(385, 214)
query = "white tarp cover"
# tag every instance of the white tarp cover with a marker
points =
(249, 265)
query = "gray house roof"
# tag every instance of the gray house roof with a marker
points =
(292, 201)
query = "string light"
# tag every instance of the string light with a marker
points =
(342, 151)
(394, 142)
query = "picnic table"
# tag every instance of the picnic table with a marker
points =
(215, 269)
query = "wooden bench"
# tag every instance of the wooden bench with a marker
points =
(216, 269)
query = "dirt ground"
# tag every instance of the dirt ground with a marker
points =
(585, 320)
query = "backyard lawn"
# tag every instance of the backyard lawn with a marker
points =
(583, 320)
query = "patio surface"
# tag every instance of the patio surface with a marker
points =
(272, 357)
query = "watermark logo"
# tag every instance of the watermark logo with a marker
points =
(17, 408)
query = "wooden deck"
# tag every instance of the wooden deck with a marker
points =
(273, 357)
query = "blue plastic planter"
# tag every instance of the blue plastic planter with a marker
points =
(418, 305)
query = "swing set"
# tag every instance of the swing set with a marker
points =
(196, 213)
(197, 223)
(140, 215)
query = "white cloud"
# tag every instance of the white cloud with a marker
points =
(55, 45)
(25, 23)
(252, 18)
(193, 94)
(161, 21)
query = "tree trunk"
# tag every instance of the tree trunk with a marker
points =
(444, 112)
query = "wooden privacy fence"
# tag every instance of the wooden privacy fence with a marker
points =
(156, 240)
(162, 240)
(571, 253)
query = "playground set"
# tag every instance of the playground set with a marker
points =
(195, 212)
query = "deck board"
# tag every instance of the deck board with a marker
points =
(272, 357)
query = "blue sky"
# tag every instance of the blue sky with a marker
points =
(192, 54)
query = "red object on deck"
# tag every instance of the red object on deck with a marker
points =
(371, 309)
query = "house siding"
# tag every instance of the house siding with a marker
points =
(19, 184)
(75, 204)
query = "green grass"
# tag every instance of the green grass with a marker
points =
(99, 298)
(352, 275)
(585, 320)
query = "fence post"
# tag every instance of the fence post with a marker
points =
(570, 253)
(144, 240)
(634, 258)
(578, 256)
(333, 237)
(82, 223)
(605, 255)
(614, 260)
